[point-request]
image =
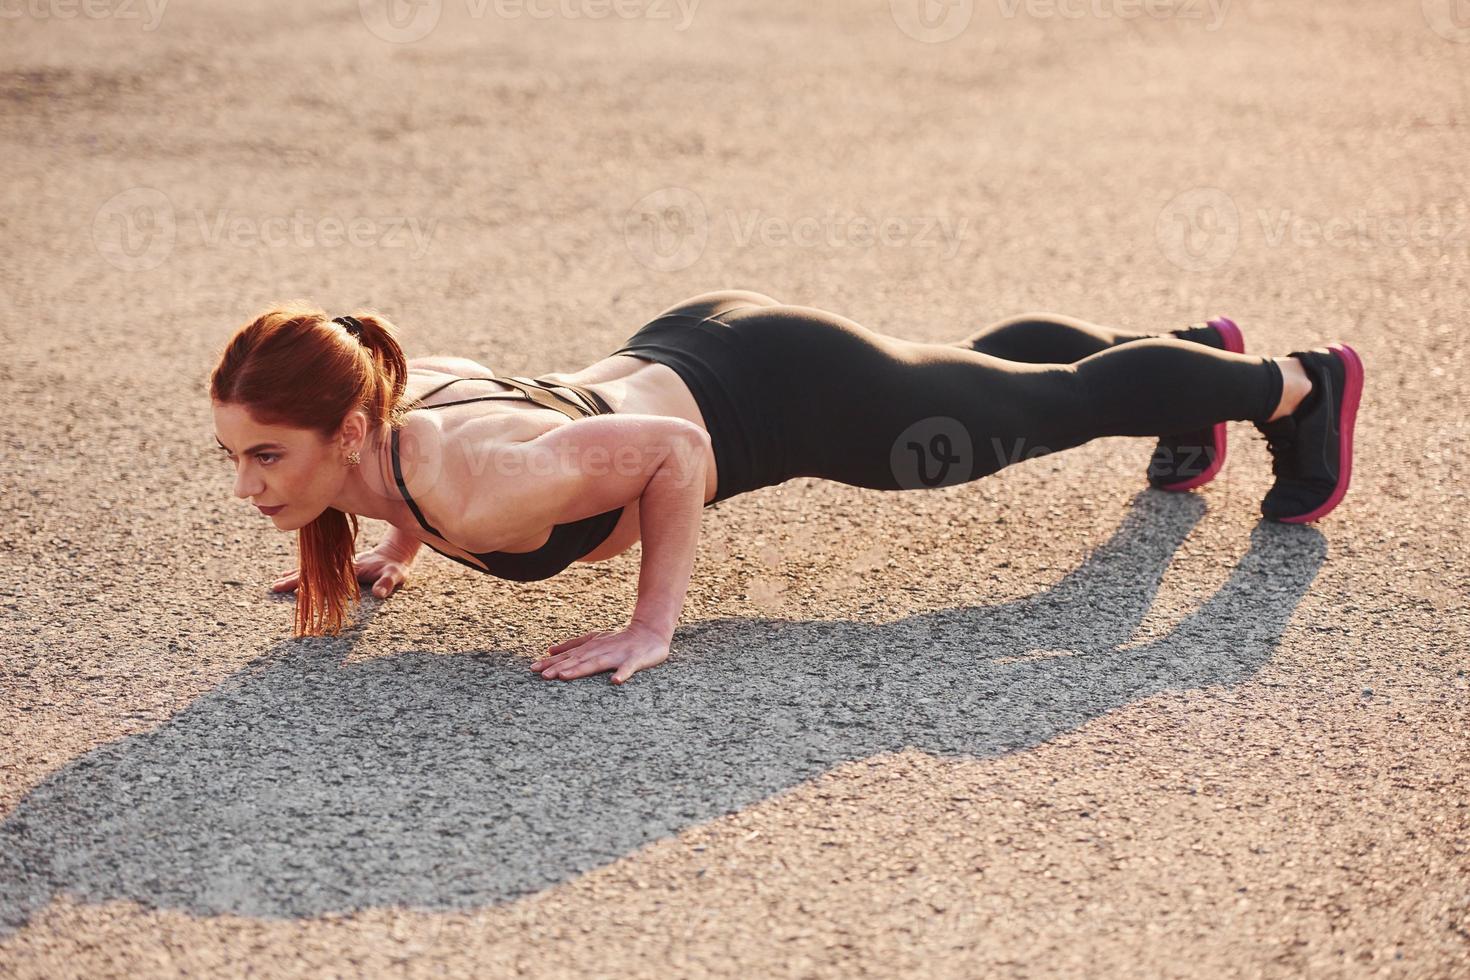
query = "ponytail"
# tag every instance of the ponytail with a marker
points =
(294, 366)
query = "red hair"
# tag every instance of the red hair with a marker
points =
(293, 366)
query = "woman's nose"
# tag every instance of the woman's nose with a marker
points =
(246, 487)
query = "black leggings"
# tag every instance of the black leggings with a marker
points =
(792, 391)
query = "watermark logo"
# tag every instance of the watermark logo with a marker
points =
(303, 230)
(936, 21)
(134, 230)
(406, 21)
(932, 452)
(1214, 10)
(932, 21)
(560, 457)
(1450, 19)
(1016, 452)
(400, 21)
(668, 229)
(138, 228)
(149, 11)
(1363, 229)
(1199, 229)
(843, 230)
(680, 11)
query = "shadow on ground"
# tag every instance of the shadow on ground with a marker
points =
(301, 787)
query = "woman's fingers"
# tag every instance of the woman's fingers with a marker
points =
(575, 641)
(581, 666)
(384, 584)
(560, 653)
(558, 660)
(571, 644)
(628, 650)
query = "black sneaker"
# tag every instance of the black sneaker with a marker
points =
(1312, 448)
(1191, 459)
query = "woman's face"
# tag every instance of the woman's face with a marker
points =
(279, 466)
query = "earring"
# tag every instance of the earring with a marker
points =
(353, 458)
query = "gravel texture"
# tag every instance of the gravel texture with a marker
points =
(1047, 723)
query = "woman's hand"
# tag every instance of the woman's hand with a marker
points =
(629, 650)
(385, 567)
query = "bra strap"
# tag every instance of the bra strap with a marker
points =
(593, 403)
(538, 393)
(498, 396)
(403, 489)
(435, 391)
(534, 390)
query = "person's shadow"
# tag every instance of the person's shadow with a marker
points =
(300, 786)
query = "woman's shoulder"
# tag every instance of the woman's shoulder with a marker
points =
(450, 462)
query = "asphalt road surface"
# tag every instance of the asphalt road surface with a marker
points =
(1047, 723)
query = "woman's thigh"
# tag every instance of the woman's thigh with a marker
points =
(873, 410)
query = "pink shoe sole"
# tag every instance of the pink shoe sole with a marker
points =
(1235, 343)
(1346, 419)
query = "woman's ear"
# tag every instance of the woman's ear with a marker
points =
(353, 434)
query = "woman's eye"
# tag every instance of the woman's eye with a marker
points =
(265, 458)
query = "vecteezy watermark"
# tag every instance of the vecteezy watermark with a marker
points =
(149, 11)
(1215, 10)
(1198, 229)
(935, 21)
(1201, 228)
(596, 459)
(932, 21)
(406, 21)
(669, 229)
(136, 230)
(680, 12)
(557, 455)
(303, 230)
(939, 451)
(400, 21)
(1363, 229)
(933, 452)
(839, 230)
(1450, 19)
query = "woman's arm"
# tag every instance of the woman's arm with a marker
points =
(598, 464)
(668, 519)
(404, 546)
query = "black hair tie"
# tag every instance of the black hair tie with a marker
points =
(352, 323)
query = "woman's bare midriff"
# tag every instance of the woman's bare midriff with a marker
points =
(630, 385)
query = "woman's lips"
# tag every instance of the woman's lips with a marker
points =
(270, 510)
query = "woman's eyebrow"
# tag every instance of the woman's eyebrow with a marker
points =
(263, 445)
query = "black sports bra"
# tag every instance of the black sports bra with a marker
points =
(568, 542)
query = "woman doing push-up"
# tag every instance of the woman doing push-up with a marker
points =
(325, 421)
